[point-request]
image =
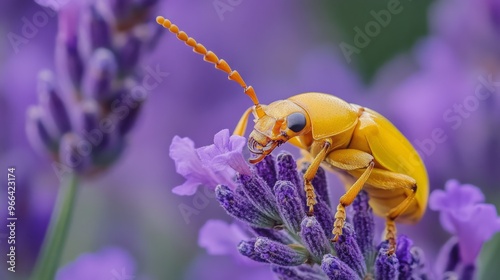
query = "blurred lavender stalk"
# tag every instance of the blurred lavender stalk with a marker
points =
(86, 111)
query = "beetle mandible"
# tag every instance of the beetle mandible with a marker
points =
(358, 143)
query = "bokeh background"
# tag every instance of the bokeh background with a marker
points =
(418, 70)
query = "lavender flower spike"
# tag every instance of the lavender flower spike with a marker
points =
(247, 249)
(280, 254)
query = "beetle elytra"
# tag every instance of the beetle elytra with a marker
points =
(359, 144)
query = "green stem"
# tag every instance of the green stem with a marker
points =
(55, 239)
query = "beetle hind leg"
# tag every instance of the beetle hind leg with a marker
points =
(392, 215)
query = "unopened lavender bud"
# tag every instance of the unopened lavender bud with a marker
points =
(274, 234)
(68, 60)
(296, 273)
(289, 205)
(52, 104)
(314, 238)
(280, 254)
(364, 225)
(100, 75)
(325, 217)
(335, 269)
(240, 208)
(348, 250)
(38, 134)
(287, 171)
(94, 31)
(386, 265)
(128, 54)
(260, 194)
(266, 169)
(247, 249)
(405, 259)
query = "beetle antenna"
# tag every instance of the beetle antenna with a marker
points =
(209, 56)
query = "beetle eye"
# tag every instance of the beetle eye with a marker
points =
(296, 122)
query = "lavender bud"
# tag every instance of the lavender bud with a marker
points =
(101, 72)
(418, 263)
(295, 273)
(37, 132)
(94, 31)
(386, 266)
(319, 184)
(314, 238)
(240, 208)
(403, 253)
(126, 107)
(324, 215)
(260, 194)
(69, 62)
(289, 205)
(348, 250)
(335, 269)
(273, 234)
(287, 171)
(364, 225)
(247, 249)
(266, 169)
(280, 254)
(52, 103)
(128, 53)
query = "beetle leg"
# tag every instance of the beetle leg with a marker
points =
(382, 187)
(347, 199)
(311, 172)
(390, 226)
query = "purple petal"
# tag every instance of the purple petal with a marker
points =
(189, 165)
(225, 152)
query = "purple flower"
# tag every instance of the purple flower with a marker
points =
(461, 210)
(109, 263)
(95, 64)
(209, 165)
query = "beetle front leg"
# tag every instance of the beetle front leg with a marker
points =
(310, 173)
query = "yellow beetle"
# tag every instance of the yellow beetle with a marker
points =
(361, 145)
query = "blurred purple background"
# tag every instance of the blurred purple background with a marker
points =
(281, 49)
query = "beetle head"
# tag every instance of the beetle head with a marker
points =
(281, 121)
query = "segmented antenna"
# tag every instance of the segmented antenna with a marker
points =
(209, 56)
